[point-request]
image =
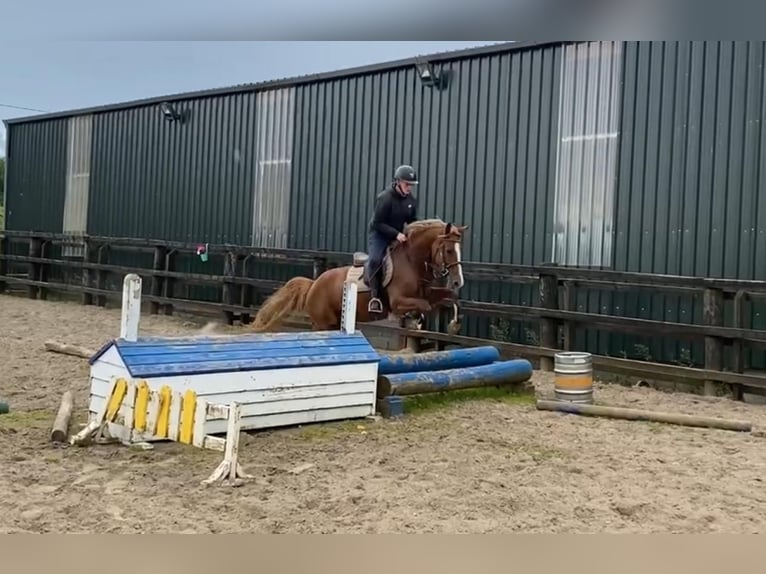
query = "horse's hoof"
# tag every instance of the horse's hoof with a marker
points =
(454, 327)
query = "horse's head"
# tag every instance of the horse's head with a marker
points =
(442, 243)
(446, 256)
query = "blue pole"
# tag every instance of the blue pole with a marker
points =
(498, 373)
(438, 360)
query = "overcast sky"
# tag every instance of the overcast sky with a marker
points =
(54, 76)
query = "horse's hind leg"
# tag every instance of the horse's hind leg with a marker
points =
(321, 309)
(325, 322)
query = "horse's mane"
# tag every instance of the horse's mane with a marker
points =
(423, 225)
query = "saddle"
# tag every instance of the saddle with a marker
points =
(356, 272)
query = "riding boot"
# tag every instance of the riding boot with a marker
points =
(375, 305)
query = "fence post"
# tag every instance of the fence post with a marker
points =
(87, 297)
(157, 282)
(102, 258)
(320, 264)
(33, 268)
(44, 269)
(3, 262)
(246, 297)
(227, 290)
(712, 314)
(738, 347)
(548, 327)
(169, 282)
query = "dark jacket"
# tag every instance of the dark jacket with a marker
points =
(392, 212)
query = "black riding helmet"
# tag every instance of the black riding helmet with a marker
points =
(406, 173)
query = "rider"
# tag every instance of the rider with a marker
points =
(395, 207)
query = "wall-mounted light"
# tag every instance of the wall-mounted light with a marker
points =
(430, 77)
(169, 111)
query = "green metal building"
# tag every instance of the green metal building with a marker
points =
(637, 156)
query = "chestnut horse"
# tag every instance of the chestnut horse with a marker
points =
(410, 273)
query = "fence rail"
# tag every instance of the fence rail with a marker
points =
(27, 260)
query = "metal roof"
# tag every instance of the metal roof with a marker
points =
(163, 357)
(496, 48)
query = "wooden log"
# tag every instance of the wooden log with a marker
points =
(60, 431)
(642, 415)
(66, 349)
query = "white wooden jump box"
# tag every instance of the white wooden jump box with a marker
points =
(280, 379)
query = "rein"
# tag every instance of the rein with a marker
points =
(437, 271)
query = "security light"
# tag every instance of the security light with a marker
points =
(169, 111)
(426, 72)
(429, 76)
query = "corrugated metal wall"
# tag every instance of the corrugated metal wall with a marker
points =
(691, 167)
(692, 160)
(194, 180)
(188, 180)
(662, 141)
(484, 149)
(36, 169)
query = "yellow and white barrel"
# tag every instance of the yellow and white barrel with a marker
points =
(573, 373)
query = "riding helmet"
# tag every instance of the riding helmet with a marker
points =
(406, 173)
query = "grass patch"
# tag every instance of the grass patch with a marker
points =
(655, 426)
(541, 452)
(24, 420)
(431, 401)
(334, 429)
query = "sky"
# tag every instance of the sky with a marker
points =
(62, 75)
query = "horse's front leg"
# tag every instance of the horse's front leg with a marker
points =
(403, 305)
(453, 328)
(444, 297)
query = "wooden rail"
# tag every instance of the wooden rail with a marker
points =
(27, 261)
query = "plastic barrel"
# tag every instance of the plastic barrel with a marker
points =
(4, 408)
(573, 377)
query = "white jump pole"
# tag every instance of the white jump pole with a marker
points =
(131, 307)
(348, 312)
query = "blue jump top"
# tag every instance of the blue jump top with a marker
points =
(161, 356)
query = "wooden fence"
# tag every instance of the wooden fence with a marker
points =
(37, 263)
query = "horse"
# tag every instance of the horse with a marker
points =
(410, 272)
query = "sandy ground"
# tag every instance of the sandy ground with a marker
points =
(470, 467)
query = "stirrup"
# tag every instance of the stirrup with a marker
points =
(375, 306)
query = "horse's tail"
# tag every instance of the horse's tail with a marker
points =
(290, 298)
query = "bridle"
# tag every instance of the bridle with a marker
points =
(440, 271)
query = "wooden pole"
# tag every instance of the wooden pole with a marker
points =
(66, 349)
(60, 431)
(641, 415)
